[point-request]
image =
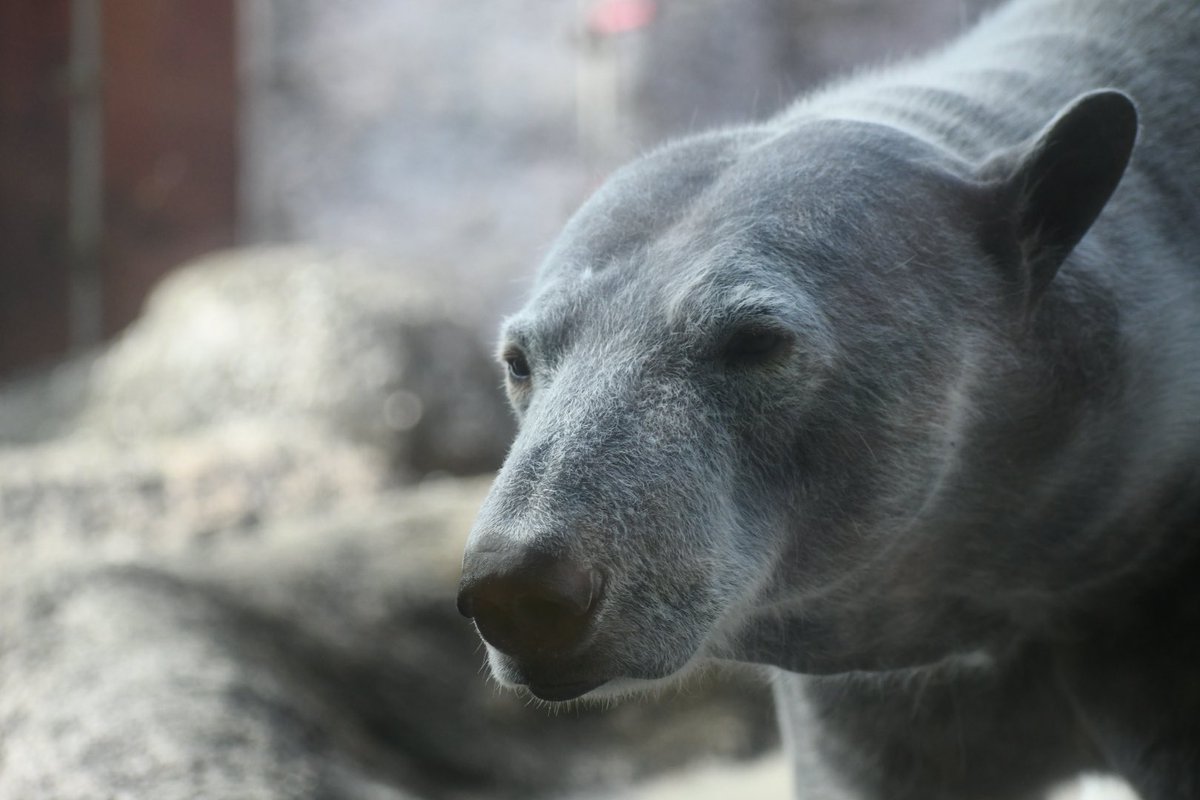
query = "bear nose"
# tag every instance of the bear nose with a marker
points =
(530, 606)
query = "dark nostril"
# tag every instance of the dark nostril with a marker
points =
(568, 588)
(464, 605)
(533, 610)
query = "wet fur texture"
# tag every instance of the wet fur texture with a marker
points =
(883, 394)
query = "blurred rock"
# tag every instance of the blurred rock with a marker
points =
(766, 778)
(318, 658)
(291, 332)
(91, 499)
(279, 335)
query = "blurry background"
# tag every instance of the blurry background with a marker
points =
(450, 138)
(251, 258)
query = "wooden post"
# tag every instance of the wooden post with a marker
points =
(170, 142)
(85, 205)
(118, 160)
(34, 254)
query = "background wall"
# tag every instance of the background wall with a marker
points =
(457, 137)
(451, 139)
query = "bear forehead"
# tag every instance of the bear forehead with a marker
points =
(816, 188)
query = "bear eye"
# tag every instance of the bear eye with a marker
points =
(518, 366)
(755, 344)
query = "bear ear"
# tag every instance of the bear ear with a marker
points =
(1053, 188)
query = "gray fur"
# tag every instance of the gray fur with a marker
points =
(961, 491)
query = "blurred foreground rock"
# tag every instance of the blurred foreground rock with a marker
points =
(315, 658)
(213, 584)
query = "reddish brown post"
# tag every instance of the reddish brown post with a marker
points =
(97, 205)
(170, 142)
(34, 255)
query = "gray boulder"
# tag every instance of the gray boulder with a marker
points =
(281, 334)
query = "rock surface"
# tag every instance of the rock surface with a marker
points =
(313, 658)
(92, 499)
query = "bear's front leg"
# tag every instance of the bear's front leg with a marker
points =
(934, 733)
(1137, 693)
